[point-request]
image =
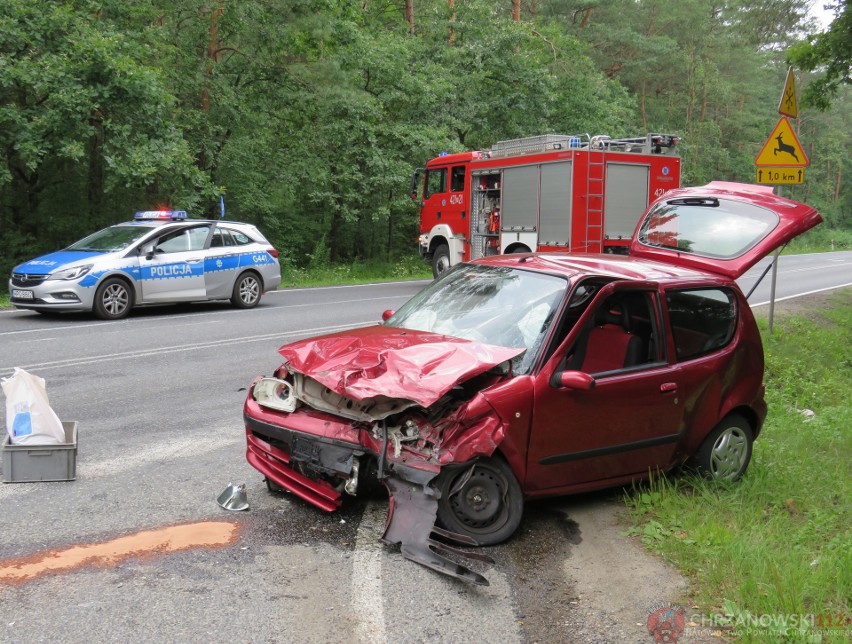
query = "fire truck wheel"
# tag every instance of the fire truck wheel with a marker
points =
(440, 260)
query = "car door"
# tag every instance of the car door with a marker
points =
(617, 411)
(172, 266)
(221, 264)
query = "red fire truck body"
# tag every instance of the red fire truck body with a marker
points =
(543, 193)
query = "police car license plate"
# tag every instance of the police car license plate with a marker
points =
(22, 295)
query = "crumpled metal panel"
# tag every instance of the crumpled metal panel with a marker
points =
(411, 522)
(386, 362)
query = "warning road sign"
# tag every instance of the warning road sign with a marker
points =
(782, 148)
(788, 105)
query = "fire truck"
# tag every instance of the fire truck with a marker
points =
(576, 193)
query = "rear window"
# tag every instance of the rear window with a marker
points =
(702, 320)
(710, 227)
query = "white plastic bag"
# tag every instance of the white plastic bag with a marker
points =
(29, 418)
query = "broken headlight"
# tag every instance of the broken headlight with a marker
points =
(275, 393)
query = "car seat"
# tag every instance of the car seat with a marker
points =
(609, 343)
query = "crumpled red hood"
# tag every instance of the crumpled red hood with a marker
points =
(381, 361)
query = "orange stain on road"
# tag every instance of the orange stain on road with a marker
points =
(209, 534)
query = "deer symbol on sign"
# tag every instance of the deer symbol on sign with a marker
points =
(783, 147)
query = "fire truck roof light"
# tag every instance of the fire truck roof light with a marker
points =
(170, 215)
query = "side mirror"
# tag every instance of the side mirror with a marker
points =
(147, 250)
(415, 183)
(387, 314)
(579, 380)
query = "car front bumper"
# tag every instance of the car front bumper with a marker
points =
(53, 295)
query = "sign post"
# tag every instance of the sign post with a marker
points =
(781, 160)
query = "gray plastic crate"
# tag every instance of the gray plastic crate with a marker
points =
(30, 463)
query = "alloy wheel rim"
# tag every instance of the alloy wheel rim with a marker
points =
(115, 299)
(249, 290)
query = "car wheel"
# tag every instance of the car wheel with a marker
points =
(113, 299)
(482, 501)
(725, 453)
(247, 291)
(440, 260)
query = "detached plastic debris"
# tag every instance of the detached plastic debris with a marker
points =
(233, 498)
(29, 418)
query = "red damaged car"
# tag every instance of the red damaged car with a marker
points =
(525, 376)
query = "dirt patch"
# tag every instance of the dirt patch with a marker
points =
(810, 306)
(579, 579)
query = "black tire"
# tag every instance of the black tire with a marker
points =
(485, 504)
(726, 452)
(247, 291)
(113, 299)
(440, 260)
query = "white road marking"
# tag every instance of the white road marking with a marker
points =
(152, 351)
(366, 593)
(327, 288)
(169, 319)
(134, 458)
(173, 448)
(793, 297)
(789, 271)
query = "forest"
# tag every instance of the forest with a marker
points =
(307, 117)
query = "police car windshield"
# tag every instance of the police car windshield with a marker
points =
(112, 239)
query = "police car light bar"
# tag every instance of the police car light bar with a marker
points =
(170, 215)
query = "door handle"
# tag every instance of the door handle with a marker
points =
(194, 260)
(668, 387)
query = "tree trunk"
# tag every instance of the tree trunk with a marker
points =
(95, 180)
(516, 10)
(212, 55)
(838, 182)
(409, 15)
(452, 37)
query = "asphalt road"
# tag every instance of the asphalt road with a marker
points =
(798, 275)
(158, 398)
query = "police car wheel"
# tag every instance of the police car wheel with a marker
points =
(247, 291)
(113, 300)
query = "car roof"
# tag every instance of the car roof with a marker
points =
(574, 266)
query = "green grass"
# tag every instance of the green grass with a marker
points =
(356, 273)
(820, 240)
(777, 545)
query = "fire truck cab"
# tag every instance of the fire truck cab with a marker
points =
(576, 193)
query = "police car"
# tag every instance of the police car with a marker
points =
(161, 256)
